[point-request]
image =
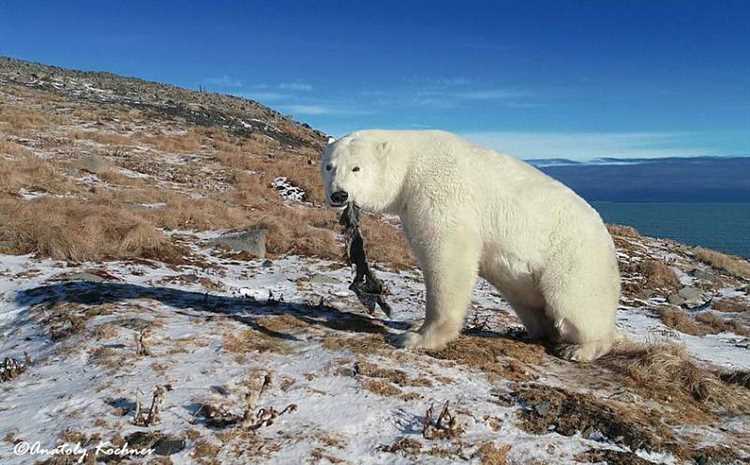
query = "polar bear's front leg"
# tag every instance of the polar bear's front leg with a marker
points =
(450, 267)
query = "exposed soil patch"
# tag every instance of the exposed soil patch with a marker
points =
(549, 409)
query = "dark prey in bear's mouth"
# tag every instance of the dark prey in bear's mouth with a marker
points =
(369, 289)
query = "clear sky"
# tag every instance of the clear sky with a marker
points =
(574, 79)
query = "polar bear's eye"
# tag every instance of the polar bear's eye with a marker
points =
(355, 169)
(329, 167)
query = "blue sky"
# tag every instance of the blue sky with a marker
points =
(575, 79)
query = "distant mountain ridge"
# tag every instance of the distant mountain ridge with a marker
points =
(673, 179)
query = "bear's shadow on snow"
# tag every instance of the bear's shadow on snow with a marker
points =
(207, 306)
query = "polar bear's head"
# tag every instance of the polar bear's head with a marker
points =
(353, 171)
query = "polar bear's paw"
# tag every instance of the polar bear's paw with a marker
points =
(417, 340)
(409, 340)
(585, 352)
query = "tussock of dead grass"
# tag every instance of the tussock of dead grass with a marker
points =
(101, 137)
(283, 323)
(667, 368)
(718, 324)
(301, 231)
(252, 341)
(380, 387)
(33, 173)
(114, 176)
(17, 120)
(622, 230)
(68, 229)
(659, 275)
(731, 305)
(372, 343)
(175, 143)
(702, 324)
(182, 212)
(499, 357)
(398, 377)
(494, 455)
(299, 171)
(11, 148)
(386, 244)
(733, 265)
(676, 318)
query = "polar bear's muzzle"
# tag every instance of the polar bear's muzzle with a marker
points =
(339, 198)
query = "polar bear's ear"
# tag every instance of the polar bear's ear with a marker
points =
(331, 140)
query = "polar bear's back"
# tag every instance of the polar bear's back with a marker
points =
(515, 205)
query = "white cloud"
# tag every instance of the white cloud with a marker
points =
(223, 81)
(588, 145)
(492, 94)
(262, 95)
(321, 109)
(295, 86)
(308, 109)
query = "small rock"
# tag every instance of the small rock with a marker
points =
(85, 276)
(704, 274)
(251, 240)
(323, 279)
(690, 294)
(676, 299)
(92, 164)
(168, 445)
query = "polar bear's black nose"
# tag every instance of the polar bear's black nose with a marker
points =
(339, 197)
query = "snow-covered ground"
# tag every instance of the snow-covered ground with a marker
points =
(214, 332)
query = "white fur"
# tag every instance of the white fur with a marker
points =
(470, 211)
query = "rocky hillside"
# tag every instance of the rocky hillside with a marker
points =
(173, 292)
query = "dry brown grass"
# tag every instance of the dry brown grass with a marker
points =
(676, 318)
(702, 324)
(175, 143)
(15, 150)
(182, 212)
(666, 370)
(251, 161)
(380, 387)
(253, 341)
(498, 357)
(719, 324)
(101, 137)
(494, 455)
(736, 266)
(622, 230)
(299, 171)
(731, 305)
(397, 377)
(114, 176)
(19, 120)
(33, 174)
(68, 229)
(659, 275)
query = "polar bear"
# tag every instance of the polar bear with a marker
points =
(468, 211)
